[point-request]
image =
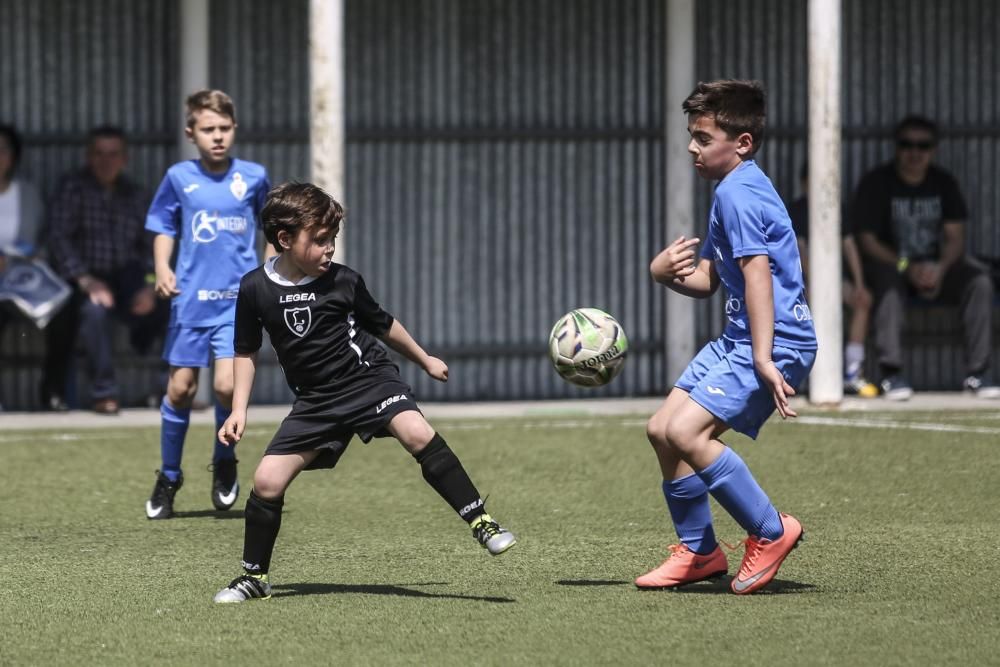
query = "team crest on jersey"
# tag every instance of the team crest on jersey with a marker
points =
(298, 320)
(238, 187)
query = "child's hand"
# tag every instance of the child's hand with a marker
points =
(676, 261)
(232, 431)
(780, 389)
(437, 369)
(166, 284)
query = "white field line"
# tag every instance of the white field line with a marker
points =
(629, 422)
(811, 420)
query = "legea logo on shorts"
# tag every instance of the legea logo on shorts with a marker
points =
(389, 401)
(298, 320)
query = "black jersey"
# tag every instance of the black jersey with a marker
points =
(323, 331)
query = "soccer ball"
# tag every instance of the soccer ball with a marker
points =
(587, 347)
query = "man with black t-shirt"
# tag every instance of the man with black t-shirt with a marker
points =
(910, 222)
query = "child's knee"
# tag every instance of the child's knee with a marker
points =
(412, 431)
(656, 430)
(181, 390)
(223, 390)
(268, 485)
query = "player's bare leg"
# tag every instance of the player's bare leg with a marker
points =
(225, 480)
(175, 415)
(687, 500)
(263, 521)
(444, 472)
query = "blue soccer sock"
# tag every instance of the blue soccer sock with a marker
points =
(173, 429)
(687, 500)
(729, 481)
(220, 452)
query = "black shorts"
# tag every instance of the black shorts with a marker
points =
(327, 422)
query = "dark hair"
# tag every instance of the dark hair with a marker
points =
(736, 106)
(14, 139)
(106, 132)
(294, 207)
(915, 122)
(212, 100)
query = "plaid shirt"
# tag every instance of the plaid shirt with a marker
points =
(92, 230)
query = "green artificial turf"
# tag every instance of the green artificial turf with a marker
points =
(371, 567)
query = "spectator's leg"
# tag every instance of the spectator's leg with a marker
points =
(60, 343)
(889, 291)
(95, 333)
(968, 284)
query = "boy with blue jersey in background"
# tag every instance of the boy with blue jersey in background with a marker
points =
(212, 205)
(737, 380)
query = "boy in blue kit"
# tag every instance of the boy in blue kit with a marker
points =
(737, 380)
(212, 205)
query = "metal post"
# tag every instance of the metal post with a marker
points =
(679, 188)
(194, 62)
(193, 76)
(826, 382)
(327, 145)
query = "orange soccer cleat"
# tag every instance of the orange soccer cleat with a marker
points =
(684, 567)
(763, 557)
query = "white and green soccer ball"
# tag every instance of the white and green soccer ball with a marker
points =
(588, 347)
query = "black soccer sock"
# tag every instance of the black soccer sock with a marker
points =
(263, 520)
(444, 472)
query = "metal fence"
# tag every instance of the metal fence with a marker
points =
(504, 156)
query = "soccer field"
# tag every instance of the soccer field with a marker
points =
(371, 567)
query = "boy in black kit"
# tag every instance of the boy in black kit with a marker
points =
(323, 324)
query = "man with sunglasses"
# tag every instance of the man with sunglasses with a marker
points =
(910, 217)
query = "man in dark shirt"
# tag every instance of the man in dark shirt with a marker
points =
(910, 222)
(855, 293)
(98, 243)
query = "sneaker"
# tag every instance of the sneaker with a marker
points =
(896, 388)
(981, 385)
(684, 567)
(245, 587)
(161, 503)
(763, 557)
(491, 535)
(857, 385)
(225, 485)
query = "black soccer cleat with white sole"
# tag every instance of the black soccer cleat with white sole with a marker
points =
(161, 503)
(225, 484)
(491, 535)
(245, 587)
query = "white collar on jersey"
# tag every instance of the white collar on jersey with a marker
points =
(276, 277)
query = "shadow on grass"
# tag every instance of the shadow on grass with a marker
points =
(376, 589)
(215, 514)
(721, 585)
(776, 587)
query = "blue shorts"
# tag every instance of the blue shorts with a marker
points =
(722, 379)
(195, 347)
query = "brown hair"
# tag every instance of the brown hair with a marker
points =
(736, 106)
(213, 100)
(294, 207)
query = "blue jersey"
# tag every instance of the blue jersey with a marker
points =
(748, 218)
(215, 218)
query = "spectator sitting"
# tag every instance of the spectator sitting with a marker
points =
(21, 213)
(99, 244)
(910, 221)
(855, 295)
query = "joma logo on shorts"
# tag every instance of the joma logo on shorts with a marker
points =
(389, 401)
